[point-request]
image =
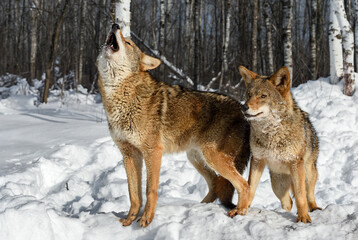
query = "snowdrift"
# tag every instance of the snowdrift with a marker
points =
(61, 177)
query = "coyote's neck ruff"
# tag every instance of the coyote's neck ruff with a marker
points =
(147, 118)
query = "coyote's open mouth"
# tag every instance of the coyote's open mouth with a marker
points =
(112, 42)
(252, 116)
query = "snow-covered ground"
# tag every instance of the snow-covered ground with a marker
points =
(62, 177)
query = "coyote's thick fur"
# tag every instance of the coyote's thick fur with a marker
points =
(282, 137)
(148, 118)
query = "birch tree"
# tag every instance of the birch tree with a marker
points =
(341, 47)
(287, 35)
(226, 39)
(123, 16)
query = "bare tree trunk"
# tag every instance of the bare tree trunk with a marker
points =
(335, 48)
(254, 34)
(226, 39)
(162, 27)
(53, 51)
(287, 35)
(123, 16)
(341, 33)
(313, 39)
(197, 22)
(320, 37)
(169, 26)
(356, 32)
(82, 44)
(267, 16)
(34, 19)
(348, 50)
(188, 32)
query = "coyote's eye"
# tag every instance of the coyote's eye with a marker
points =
(263, 96)
(129, 43)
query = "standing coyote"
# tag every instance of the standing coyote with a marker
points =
(148, 118)
(283, 138)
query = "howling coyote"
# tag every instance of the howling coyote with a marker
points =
(148, 118)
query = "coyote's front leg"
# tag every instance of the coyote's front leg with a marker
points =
(298, 179)
(132, 159)
(152, 161)
(257, 166)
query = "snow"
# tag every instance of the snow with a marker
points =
(62, 177)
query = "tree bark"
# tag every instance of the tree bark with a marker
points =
(188, 37)
(341, 38)
(53, 52)
(287, 35)
(34, 19)
(313, 39)
(356, 32)
(82, 44)
(197, 23)
(123, 16)
(267, 16)
(162, 27)
(254, 34)
(226, 39)
(335, 48)
(169, 26)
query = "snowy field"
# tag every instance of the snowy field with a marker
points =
(62, 177)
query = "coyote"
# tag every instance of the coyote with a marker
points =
(148, 118)
(282, 137)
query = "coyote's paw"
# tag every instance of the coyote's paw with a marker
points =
(315, 208)
(145, 220)
(127, 221)
(236, 211)
(305, 218)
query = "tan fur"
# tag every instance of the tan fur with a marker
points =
(148, 118)
(283, 138)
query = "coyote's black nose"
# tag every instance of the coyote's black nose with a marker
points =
(244, 107)
(115, 26)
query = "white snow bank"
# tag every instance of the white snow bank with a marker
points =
(62, 177)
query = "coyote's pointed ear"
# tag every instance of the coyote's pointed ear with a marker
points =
(281, 80)
(148, 62)
(247, 75)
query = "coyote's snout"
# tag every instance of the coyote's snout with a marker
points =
(148, 118)
(283, 138)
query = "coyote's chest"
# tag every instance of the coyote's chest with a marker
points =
(122, 115)
(276, 149)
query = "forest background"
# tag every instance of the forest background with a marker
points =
(202, 42)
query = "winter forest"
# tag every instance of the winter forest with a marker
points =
(202, 42)
(63, 177)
